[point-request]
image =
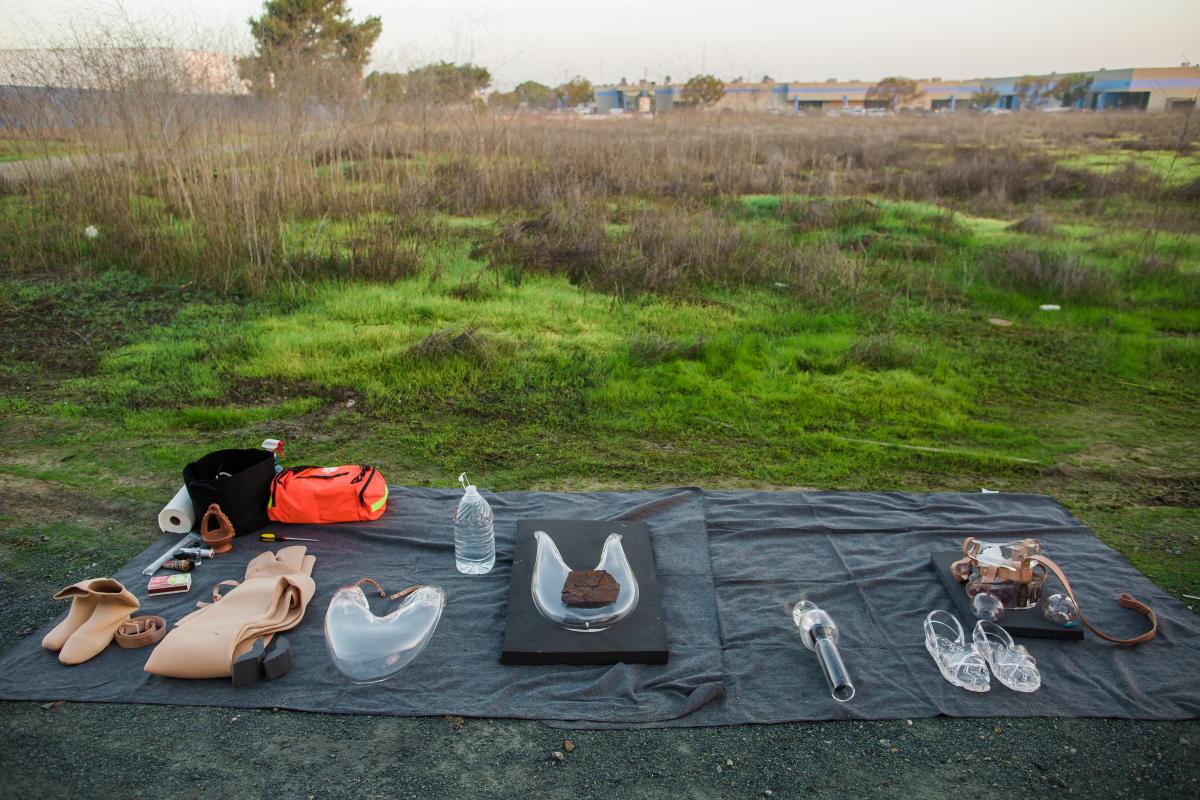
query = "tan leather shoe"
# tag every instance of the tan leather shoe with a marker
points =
(111, 604)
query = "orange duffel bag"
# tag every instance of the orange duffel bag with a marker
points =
(349, 493)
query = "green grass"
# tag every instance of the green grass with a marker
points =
(23, 149)
(901, 384)
(1174, 169)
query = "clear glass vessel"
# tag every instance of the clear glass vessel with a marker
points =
(550, 573)
(367, 648)
(1002, 572)
(1060, 609)
(1011, 594)
(987, 606)
(820, 635)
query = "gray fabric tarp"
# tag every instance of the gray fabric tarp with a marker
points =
(731, 564)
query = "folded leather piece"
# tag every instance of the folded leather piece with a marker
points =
(98, 607)
(272, 598)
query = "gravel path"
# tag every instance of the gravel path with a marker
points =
(133, 751)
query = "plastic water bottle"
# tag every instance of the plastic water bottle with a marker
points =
(474, 535)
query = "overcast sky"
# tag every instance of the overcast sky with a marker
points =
(546, 40)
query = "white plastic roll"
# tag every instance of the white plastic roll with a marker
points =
(177, 516)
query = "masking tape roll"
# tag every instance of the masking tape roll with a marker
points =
(178, 516)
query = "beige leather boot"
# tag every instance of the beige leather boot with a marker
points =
(83, 603)
(111, 604)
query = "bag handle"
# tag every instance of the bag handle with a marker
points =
(279, 476)
(1125, 599)
(362, 494)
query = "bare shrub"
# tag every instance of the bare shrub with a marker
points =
(1048, 274)
(879, 351)
(1035, 223)
(468, 343)
(1189, 192)
(1155, 268)
(817, 213)
(649, 349)
(666, 251)
(469, 291)
(205, 187)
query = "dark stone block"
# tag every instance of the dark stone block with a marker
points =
(590, 588)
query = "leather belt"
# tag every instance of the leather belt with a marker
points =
(141, 631)
(1124, 598)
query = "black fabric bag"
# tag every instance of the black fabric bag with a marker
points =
(239, 481)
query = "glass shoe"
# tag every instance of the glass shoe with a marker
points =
(960, 663)
(1011, 663)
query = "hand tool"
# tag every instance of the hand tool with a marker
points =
(279, 537)
(190, 538)
(195, 553)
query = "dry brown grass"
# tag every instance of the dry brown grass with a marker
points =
(252, 193)
(1053, 273)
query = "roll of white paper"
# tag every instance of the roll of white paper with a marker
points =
(177, 516)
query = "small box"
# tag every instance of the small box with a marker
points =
(170, 584)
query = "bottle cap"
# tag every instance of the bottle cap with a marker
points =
(468, 487)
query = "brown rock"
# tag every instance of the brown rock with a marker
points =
(588, 588)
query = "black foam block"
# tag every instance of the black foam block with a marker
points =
(1027, 622)
(530, 638)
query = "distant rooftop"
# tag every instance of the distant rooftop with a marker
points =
(185, 71)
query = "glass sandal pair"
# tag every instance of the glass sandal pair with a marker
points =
(991, 648)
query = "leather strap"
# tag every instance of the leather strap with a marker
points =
(382, 593)
(141, 631)
(1026, 550)
(1125, 599)
(216, 592)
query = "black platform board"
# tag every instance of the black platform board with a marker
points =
(1026, 622)
(530, 638)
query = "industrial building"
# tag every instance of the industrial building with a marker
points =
(73, 87)
(1145, 89)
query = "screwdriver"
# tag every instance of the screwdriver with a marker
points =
(279, 537)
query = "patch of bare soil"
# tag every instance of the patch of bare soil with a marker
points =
(61, 330)
(28, 501)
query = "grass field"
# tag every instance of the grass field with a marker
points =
(24, 149)
(733, 301)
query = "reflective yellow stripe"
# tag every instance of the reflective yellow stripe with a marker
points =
(378, 504)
